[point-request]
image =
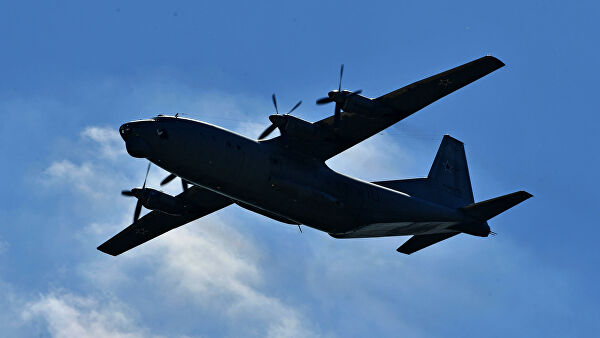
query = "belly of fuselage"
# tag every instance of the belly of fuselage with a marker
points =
(396, 229)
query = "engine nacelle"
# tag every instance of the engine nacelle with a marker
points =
(358, 104)
(294, 127)
(159, 201)
(364, 106)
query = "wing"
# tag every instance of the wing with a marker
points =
(157, 223)
(397, 105)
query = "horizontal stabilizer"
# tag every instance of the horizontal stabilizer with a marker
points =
(418, 242)
(495, 206)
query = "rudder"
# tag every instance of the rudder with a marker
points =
(450, 171)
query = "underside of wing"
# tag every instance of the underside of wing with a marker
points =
(418, 95)
(377, 114)
(202, 202)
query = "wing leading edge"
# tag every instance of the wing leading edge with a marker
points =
(157, 223)
(354, 128)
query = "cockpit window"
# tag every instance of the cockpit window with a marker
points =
(162, 133)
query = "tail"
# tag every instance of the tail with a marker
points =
(449, 184)
(480, 213)
(450, 173)
(485, 210)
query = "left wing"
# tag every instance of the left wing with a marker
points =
(156, 223)
(363, 117)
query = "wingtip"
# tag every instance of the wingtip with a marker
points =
(525, 194)
(497, 63)
(402, 251)
(102, 248)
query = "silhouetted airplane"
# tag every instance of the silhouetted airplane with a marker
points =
(285, 178)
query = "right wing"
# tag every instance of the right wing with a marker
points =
(399, 104)
(156, 223)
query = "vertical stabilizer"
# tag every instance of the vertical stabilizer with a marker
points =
(450, 173)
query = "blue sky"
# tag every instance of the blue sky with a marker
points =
(72, 72)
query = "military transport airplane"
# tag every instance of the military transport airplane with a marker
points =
(285, 178)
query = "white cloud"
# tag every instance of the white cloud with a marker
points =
(67, 315)
(83, 178)
(108, 139)
(378, 158)
(213, 266)
(217, 266)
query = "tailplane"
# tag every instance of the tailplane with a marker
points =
(449, 184)
(493, 207)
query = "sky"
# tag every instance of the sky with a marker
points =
(72, 72)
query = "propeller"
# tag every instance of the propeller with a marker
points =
(138, 193)
(331, 96)
(272, 127)
(184, 183)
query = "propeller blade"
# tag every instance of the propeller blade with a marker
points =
(324, 100)
(138, 209)
(267, 131)
(275, 103)
(145, 178)
(337, 114)
(356, 92)
(184, 185)
(296, 106)
(168, 179)
(341, 74)
(127, 193)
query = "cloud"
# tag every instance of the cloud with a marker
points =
(67, 315)
(218, 267)
(206, 265)
(97, 176)
(84, 178)
(108, 139)
(376, 159)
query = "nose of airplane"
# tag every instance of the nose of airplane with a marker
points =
(135, 144)
(125, 130)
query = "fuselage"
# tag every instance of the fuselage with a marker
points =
(269, 176)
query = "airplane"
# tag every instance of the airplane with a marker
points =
(285, 178)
